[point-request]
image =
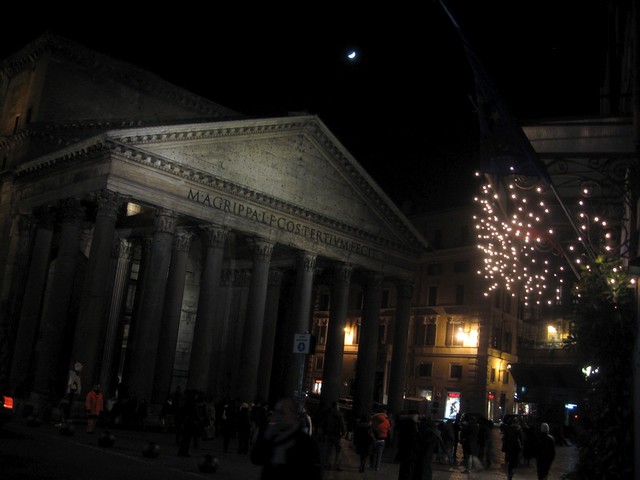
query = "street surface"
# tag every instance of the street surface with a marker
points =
(42, 452)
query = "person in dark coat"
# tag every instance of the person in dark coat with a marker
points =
(363, 440)
(167, 414)
(177, 400)
(189, 424)
(228, 418)
(469, 433)
(456, 438)
(486, 433)
(407, 445)
(334, 428)
(512, 443)
(530, 443)
(545, 453)
(427, 442)
(449, 439)
(244, 428)
(284, 450)
(259, 419)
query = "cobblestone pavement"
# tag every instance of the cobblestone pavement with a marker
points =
(234, 465)
(566, 456)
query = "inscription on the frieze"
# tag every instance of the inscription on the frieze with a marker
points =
(275, 221)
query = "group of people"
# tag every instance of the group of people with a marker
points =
(194, 416)
(519, 447)
(93, 401)
(286, 441)
(417, 440)
(293, 445)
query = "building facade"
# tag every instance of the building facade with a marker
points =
(161, 239)
(463, 343)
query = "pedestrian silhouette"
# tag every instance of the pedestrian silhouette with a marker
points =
(363, 440)
(94, 404)
(381, 427)
(285, 450)
(545, 453)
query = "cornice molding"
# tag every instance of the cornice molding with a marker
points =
(75, 153)
(211, 130)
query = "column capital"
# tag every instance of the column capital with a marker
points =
(374, 279)
(214, 235)
(343, 272)
(122, 248)
(71, 211)
(182, 241)
(108, 203)
(44, 216)
(275, 276)
(233, 277)
(165, 221)
(307, 260)
(262, 249)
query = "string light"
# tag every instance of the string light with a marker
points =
(521, 249)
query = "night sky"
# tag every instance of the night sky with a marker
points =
(401, 108)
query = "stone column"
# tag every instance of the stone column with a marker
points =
(269, 334)
(14, 277)
(228, 342)
(32, 300)
(334, 351)
(140, 277)
(171, 314)
(147, 329)
(92, 318)
(247, 380)
(203, 333)
(300, 324)
(121, 255)
(368, 346)
(55, 316)
(398, 370)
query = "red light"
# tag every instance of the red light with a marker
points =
(8, 403)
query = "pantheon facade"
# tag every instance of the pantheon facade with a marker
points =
(158, 237)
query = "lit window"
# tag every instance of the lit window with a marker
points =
(133, 209)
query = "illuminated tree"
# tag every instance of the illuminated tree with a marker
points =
(604, 336)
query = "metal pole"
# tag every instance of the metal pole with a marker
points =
(635, 72)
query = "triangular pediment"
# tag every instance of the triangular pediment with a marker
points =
(288, 179)
(293, 161)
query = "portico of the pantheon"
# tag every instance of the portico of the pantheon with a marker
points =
(159, 239)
